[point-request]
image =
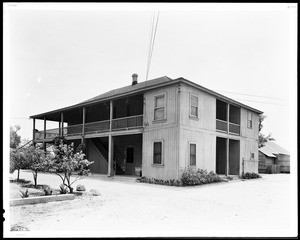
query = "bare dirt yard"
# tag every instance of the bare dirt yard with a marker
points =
(258, 207)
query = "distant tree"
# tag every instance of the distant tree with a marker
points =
(18, 161)
(37, 161)
(262, 139)
(15, 138)
(65, 163)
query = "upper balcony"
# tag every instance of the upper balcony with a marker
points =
(119, 115)
(224, 112)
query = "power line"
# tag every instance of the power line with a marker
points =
(152, 40)
(245, 94)
(261, 102)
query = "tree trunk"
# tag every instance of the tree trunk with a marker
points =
(18, 178)
(35, 178)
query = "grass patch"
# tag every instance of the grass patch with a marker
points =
(20, 181)
(18, 228)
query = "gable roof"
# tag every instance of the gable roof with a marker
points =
(270, 148)
(139, 88)
(123, 90)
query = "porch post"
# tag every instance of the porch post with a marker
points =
(33, 132)
(227, 142)
(83, 124)
(227, 157)
(44, 143)
(110, 142)
(59, 128)
(62, 123)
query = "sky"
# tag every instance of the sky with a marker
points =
(57, 55)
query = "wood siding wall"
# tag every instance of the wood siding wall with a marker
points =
(165, 131)
(202, 131)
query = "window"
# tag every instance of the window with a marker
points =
(157, 153)
(193, 106)
(249, 123)
(129, 155)
(252, 155)
(192, 154)
(159, 107)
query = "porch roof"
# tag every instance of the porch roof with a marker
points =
(136, 89)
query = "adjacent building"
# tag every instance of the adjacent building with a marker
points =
(157, 128)
(273, 159)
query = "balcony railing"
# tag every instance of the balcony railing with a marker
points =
(101, 126)
(222, 126)
(127, 122)
(234, 128)
(94, 127)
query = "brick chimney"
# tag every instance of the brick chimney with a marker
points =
(134, 79)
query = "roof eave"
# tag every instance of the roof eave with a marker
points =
(84, 104)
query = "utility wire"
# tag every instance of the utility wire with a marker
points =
(261, 102)
(245, 94)
(152, 40)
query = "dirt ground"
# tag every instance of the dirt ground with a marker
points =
(258, 207)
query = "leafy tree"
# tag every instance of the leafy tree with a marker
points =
(262, 139)
(15, 138)
(37, 161)
(18, 161)
(65, 162)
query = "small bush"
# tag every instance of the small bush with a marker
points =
(249, 175)
(47, 191)
(24, 194)
(62, 189)
(191, 177)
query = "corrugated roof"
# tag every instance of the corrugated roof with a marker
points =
(270, 148)
(129, 89)
(267, 151)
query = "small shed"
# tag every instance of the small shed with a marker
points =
(273, 159)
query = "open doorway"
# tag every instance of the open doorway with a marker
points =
(221, 156)
(234, 157)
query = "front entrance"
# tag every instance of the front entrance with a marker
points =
(227, 163)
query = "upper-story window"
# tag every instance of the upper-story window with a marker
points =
(249, 122)
(193, 106)
(160, 107)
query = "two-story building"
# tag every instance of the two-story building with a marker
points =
(159, 127)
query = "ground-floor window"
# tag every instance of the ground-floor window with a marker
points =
(157, 153)
(192, 154)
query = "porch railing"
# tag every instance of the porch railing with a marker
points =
(127, 122)
(73, 130)
(94, 127)
(222, 126)
(234, 128)
(100, 126)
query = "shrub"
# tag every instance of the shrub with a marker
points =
(249, 175)
(191, 177)
(47, 191)
(24, 194)
(62, 189)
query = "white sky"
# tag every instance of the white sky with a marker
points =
(56, 56)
